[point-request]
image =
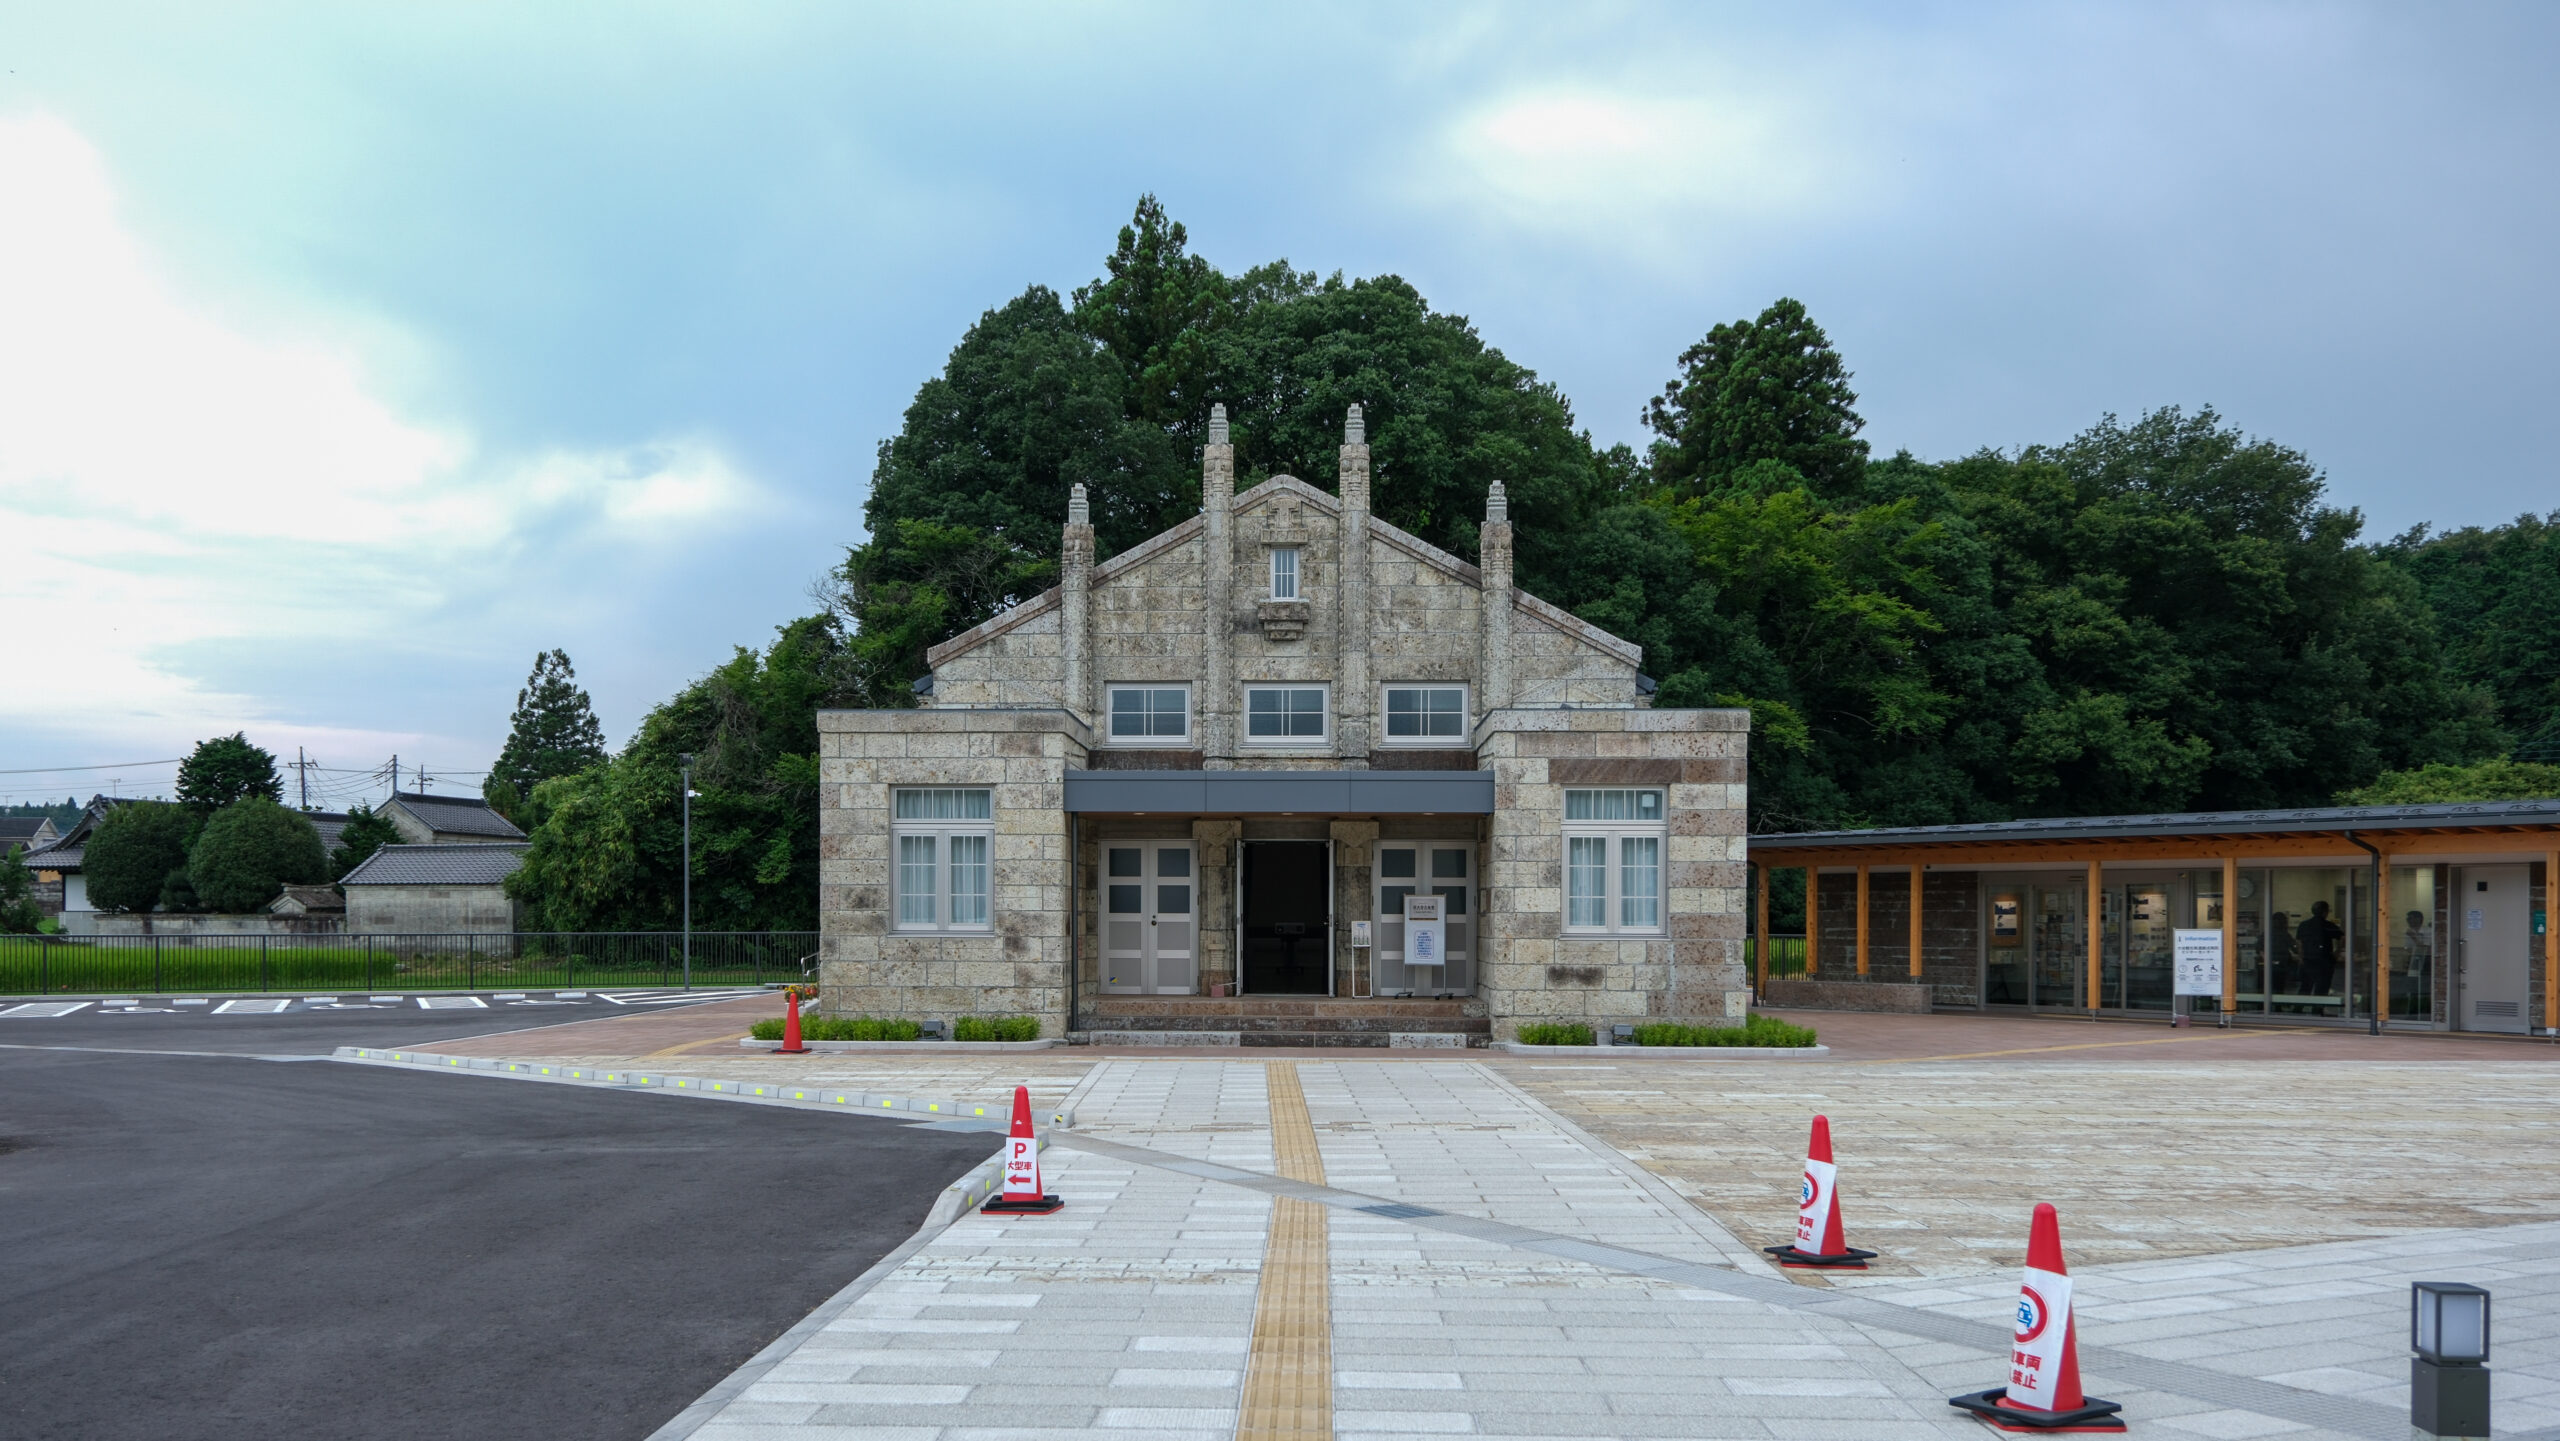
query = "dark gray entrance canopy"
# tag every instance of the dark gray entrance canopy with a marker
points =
(1232, 793)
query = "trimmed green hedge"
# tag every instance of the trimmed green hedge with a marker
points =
(1555, 1033)
(996, 1028)
(840, 1028)
(1756, 1030)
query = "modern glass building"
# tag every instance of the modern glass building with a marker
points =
(2407, 916)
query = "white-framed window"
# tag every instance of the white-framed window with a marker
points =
(1614, 847)
(1150, 715)
(942, 843)
(1425, 715)
(1284, 572)
(1286, 715)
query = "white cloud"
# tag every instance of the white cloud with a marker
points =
(171, 478)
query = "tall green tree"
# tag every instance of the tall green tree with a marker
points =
(1770, 389)
(19, 913)
(251, 850)
(2496, 592)
(607, 850)
(227, 769)
(554, 730)
(366, 831)
(132, 852)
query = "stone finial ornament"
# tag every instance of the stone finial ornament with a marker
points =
(1355, 431)
(1497, 505)
(1078, 512)
(1218, 424)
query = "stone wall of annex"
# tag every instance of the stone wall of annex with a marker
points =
(1534, 971)
(1020, 967)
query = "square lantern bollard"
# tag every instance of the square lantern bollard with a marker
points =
(2449, 1375)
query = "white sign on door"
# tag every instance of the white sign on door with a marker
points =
(1426, 931)
(2198, 958)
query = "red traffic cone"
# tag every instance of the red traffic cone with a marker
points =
(1022, 1195)
(2044, 1392)
(791, 1042)
(1819, 1241)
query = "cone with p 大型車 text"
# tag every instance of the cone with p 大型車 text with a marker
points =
(792, 1045)
(1819, 1242)
(1021, 1195)
(2044, 1392)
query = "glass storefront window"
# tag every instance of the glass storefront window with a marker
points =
(2413, 942)
(2309, 913)
(2061, 946)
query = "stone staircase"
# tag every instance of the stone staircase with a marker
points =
(1284, 1021)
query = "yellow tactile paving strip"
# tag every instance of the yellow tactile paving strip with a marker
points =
(1288, 1384)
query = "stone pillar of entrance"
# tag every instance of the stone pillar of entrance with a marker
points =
(1213, 843)
(1354, 842)
(1351, 629)
(1215, 702)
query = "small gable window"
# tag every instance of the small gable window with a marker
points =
(1284, 572)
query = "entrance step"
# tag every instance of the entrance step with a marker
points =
(1326, 1040)
(1287, 1021)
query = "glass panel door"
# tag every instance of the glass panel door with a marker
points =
(2413, 943)
(2148, 974)
(1150, 940)
(1406, 868)
(2061, 945)
(2005, 963)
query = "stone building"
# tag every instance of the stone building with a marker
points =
(451, 889)
(1212, 787)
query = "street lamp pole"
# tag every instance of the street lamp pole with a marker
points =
(685, 761)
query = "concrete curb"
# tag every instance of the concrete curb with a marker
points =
(1673, 1053)
(926, 1047)
(632, 1078)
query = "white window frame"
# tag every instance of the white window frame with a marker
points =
(1386, 737)
(1317, 741)
(958, 854)
(1295, 571)
(1622, 846)
(1110, 700)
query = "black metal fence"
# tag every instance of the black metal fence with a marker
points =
(552, 960)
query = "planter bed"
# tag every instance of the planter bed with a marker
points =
(753, 1044)
(1673, 1053)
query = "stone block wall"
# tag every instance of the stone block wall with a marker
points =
(1533, 970)
(429, 910)
(1950, 933)
(1021, 967)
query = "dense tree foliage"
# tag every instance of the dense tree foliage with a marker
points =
(366, 831)
(2499, 779)
(1755, 392)
(250, 851)
(132, 852)
(2496, 591)
(607, 845)
(554, 730)
(227, 769)
(19, 913)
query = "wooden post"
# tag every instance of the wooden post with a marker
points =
(1812, 919)
(1917, 871)
(1764, 930)
(1862, 920)
(2381, 943)
(2230, 937)
(2097, 937)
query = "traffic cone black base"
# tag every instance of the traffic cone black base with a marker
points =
(1852, 1259)
(1041, 1207)
(1992, 1409)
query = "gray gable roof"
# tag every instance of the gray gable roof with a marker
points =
(465, 863)
(457, 816)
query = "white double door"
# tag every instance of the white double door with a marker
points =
(1425, 868)
(1150, 920)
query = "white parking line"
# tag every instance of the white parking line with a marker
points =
(44, 1010)
(319, 1000)
(252, 1008)
(395, 1000)
(198, 1002)
(452, 1003)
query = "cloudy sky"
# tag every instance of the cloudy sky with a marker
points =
(348, 359)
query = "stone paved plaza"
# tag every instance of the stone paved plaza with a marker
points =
(2244, 1212)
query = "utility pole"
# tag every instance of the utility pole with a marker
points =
(685, 763)
(395, 776)
(302, 770)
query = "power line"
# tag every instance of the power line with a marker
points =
(119, 766)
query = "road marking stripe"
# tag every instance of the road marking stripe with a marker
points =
(2213, 1035)
(1288, 1382)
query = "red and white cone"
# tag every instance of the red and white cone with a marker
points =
(1022, 1195)
(2044, 1392)
(1819, 1241)
(792, 1045)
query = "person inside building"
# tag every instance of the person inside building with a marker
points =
(2317, 940)
(2284, 975)
(2421, 942)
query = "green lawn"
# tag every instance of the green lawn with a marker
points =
(31, 965)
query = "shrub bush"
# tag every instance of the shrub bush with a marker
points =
(132, 851)
(251, 850)
(996, 1028)
(1555, 1033)
(1755, 1030)
(840, 1028)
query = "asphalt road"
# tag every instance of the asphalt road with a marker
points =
(315, 1026)
(231, 1247)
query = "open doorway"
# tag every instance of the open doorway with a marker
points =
(1287, 919)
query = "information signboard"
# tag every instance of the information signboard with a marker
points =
(2197, 956)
